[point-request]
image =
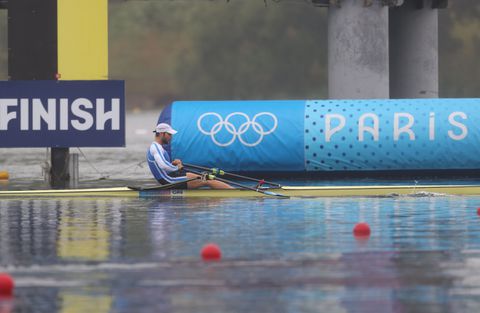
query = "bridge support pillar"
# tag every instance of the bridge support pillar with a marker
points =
(414, 50)
(358, 66)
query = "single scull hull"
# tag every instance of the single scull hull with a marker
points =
(292, 191)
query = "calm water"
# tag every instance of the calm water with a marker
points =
(298, 255)
(295, 255)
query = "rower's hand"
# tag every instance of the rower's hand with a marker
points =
(178, 163)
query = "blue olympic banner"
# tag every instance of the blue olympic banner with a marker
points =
(238, 135)
(327, 135)
(412, 134)
(62, 113)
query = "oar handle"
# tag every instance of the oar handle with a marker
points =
(220, 172)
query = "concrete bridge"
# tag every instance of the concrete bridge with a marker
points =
(382, 48)
(376, 49)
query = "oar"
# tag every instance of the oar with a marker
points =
(265, 192)
(220, 172)
(162, 187)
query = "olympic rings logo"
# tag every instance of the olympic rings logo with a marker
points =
(240, 132)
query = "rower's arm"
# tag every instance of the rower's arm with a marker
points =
(162, 162)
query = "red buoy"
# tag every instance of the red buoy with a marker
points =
(361, 230)
(6, 285)
(478, 211)
(211, 252)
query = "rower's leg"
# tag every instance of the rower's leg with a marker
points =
(194, 184)
(214, 184)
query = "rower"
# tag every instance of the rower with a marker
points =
(166, 172)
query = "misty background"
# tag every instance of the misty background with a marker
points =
(170, 50)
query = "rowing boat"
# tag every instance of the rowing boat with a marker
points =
(290, 191)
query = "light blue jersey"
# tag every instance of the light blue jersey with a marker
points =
(160, 165)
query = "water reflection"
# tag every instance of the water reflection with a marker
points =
(123, 255)
(6, 305)
(98, 301)
(83, 233)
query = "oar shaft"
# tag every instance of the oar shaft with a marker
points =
(231, 174)
(227, 181)
(236, 184)
(269, 193)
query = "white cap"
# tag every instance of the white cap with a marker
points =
(164, 128)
